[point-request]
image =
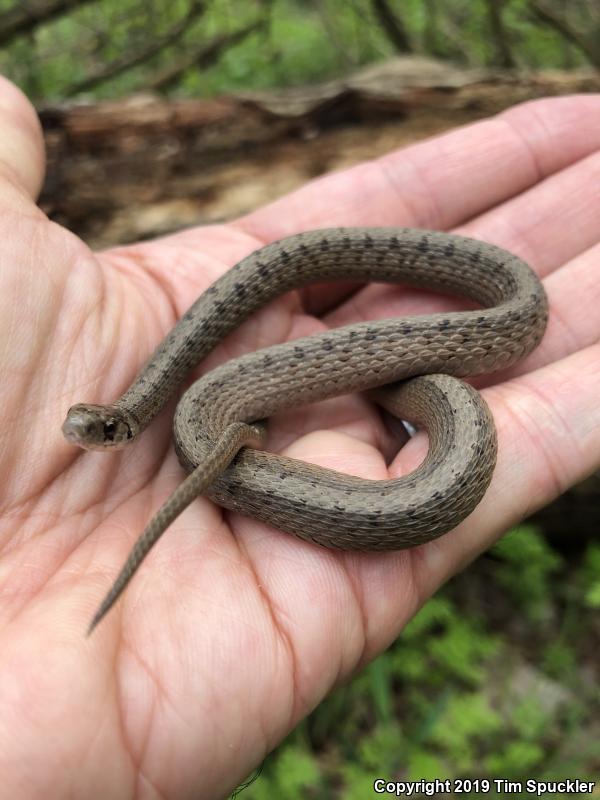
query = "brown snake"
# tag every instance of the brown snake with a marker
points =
(222, 411)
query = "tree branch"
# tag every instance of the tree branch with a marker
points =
(120, 65)
(24, 18)
(392, 26)
(588, 43)
(204, 57)
(503, 56)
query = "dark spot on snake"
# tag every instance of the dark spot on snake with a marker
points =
(210, 290)
(423, 245)
(449, 249)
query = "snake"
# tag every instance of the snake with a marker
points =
(412, 367)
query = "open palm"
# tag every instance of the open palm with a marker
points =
(231, 632)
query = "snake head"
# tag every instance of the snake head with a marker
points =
(99, 427)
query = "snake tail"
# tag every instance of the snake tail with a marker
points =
(233, 438)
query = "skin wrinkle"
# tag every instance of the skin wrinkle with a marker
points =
(245, 226)
(563, 330)
(150, 285)
(285, 640)
(343, 670)
(433, 216)
(163, 701)
(516, 419)
(554, 459)
(268, 604)
(359, 599)
(521, 134)
(119, 690)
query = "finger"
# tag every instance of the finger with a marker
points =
(550, 223)
(549, 438)
(444, 181)
(573, 323)
(437, 184)
(21, 149)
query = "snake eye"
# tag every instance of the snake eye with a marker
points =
(109, 431)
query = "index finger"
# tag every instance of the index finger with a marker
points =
(444, 181)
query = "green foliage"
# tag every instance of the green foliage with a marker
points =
(591, 576)
(448, 700)
(458, 646)
(467, 721)
(290, 776)
(526, 571)
(515, 760)
(299, 42)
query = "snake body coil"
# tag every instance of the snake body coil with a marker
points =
(221, 412)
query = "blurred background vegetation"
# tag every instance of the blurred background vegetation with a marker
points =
(107, 48)
(498, 675)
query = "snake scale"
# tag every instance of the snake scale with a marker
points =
(219, 421)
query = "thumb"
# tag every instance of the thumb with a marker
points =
(22, 157)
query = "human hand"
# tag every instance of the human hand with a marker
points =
(231, 632)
